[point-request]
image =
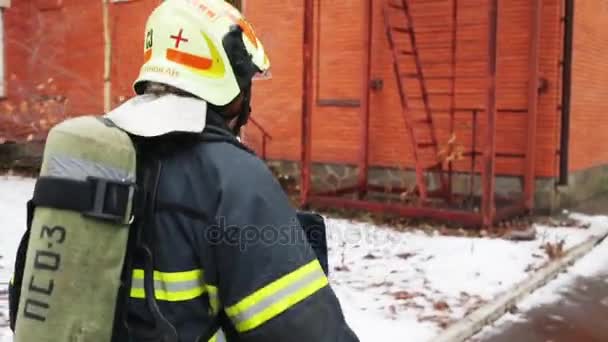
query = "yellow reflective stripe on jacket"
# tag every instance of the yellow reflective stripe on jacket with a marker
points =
(278, 296)
(218, 337)
(214, 299)
(170, 286)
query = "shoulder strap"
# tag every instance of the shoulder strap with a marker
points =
(149, 172)
(17, 280)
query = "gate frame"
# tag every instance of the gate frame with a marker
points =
(488, 215)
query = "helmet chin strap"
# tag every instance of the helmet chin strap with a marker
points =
(243, 116)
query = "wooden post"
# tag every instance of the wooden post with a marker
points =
(107, 65)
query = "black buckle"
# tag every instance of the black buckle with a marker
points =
(101, 187)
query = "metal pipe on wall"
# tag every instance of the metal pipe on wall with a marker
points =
(488, 206)
(533, 83)
(564, 143)
(366, 68)
(307, 100)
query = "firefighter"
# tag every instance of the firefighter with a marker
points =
(230, 260)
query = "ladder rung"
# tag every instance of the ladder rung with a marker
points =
(469, 41)
(431, 18)
(430, 1)
(498, 155)
(439, 77)
(457, 77)
(410, 75)
(431, 109)
(427, 145)
(461, 25)
(417, 32)
(434, 47)
(395, 6)
(430, 94)
(441, 94)
(510, 155)
(447, 61)
(469, 77)
(435, 63)
(401, 29)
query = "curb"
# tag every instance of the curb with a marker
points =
(487, 314)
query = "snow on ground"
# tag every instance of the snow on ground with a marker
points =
(414, 284)
(590, 265)
(393, 286)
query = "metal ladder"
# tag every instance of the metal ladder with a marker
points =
(416, 108)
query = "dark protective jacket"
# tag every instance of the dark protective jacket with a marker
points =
(229, 250)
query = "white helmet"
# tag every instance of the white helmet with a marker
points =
(202, 47)
(191, 45)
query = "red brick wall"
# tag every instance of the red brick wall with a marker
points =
(60, 42)
(589, 110)
(336, 130)
(277, 103)
(128, 25)
(17, 51)
(66, 43)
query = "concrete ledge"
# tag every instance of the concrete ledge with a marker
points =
(583, 185)
(548, 197)
(487, 314)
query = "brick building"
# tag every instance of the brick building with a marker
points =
(63, 40)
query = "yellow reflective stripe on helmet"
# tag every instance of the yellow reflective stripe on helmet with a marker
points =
(275, 298)
(170, 286)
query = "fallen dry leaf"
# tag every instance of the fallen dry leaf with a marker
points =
(554, 250)
(404, 295)
(382, 283)
(370, 256)
(405, 256)
(441, 306)
(342, 268)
